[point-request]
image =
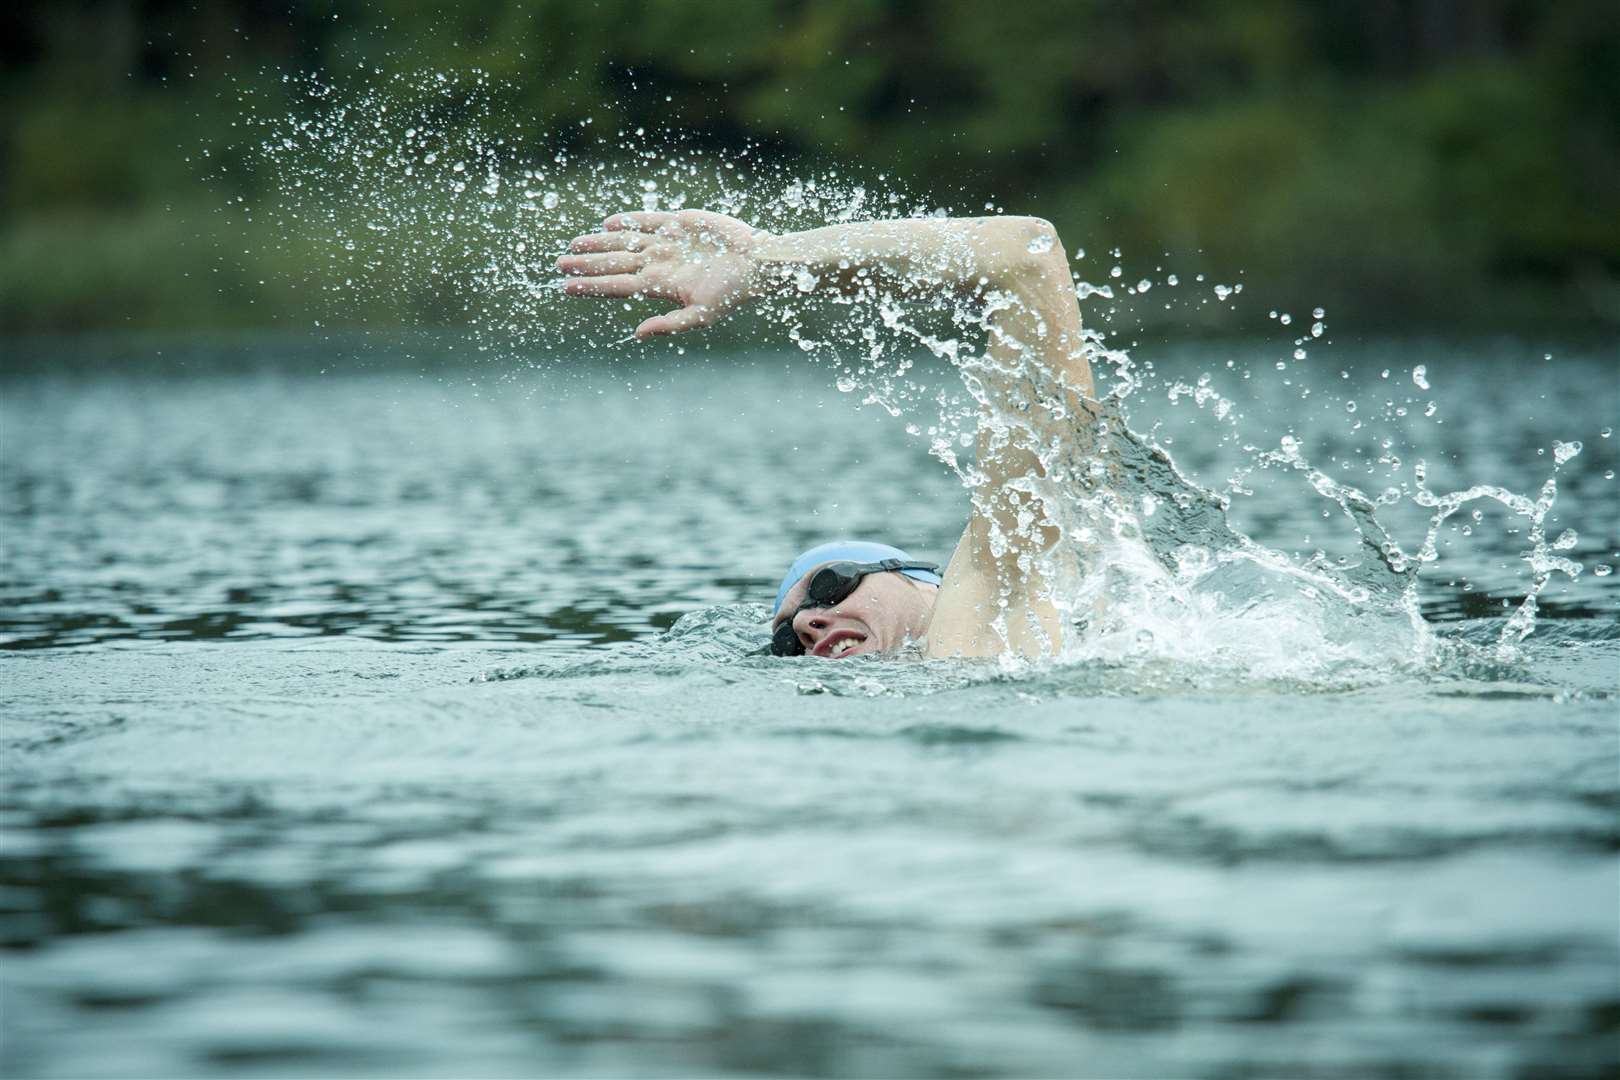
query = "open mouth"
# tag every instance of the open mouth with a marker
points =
(840, 644)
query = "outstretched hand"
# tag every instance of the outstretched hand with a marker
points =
(703, 261)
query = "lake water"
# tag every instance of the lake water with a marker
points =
(352, 727)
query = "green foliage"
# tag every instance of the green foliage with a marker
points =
(1451, 161)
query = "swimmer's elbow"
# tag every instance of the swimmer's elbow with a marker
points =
(1027, 249)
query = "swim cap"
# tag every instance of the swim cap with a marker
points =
(847, 551)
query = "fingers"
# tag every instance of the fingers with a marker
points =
(639, 221)
(686, 318)
(614, 241)
(611, 262)
(608, 285)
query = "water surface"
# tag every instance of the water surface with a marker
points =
(346, 733)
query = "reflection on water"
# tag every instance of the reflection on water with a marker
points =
(343, 737)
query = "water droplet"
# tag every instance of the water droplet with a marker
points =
(1299, 354)
(550, 200)
(1602, 570)
(1144, 285)
(1285, 318)
(1605, 433)
(1420, 376)
(1349, 406)
(1222, 292)
(1172, 280)
(1563, 451)
(1319, 313)
(1116, 271)
(1317, 327)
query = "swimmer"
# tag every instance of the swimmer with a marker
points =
(850, 598)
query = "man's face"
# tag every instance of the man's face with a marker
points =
(885, 610)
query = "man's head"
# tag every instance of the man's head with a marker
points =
(843, 599)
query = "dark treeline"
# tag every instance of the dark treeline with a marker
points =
(1431, 162)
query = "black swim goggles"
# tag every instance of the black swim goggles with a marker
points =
(831, 585)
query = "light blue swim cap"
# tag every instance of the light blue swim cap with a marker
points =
(847, 551)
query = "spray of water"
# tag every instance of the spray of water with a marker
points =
(418, 179)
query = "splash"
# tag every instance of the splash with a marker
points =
(1542, 560)
(414, 198)
(422, 179)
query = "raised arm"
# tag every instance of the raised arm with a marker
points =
(1033, 380)
(710, 265)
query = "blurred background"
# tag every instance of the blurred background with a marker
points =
(369, 717)
(1429, 164)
